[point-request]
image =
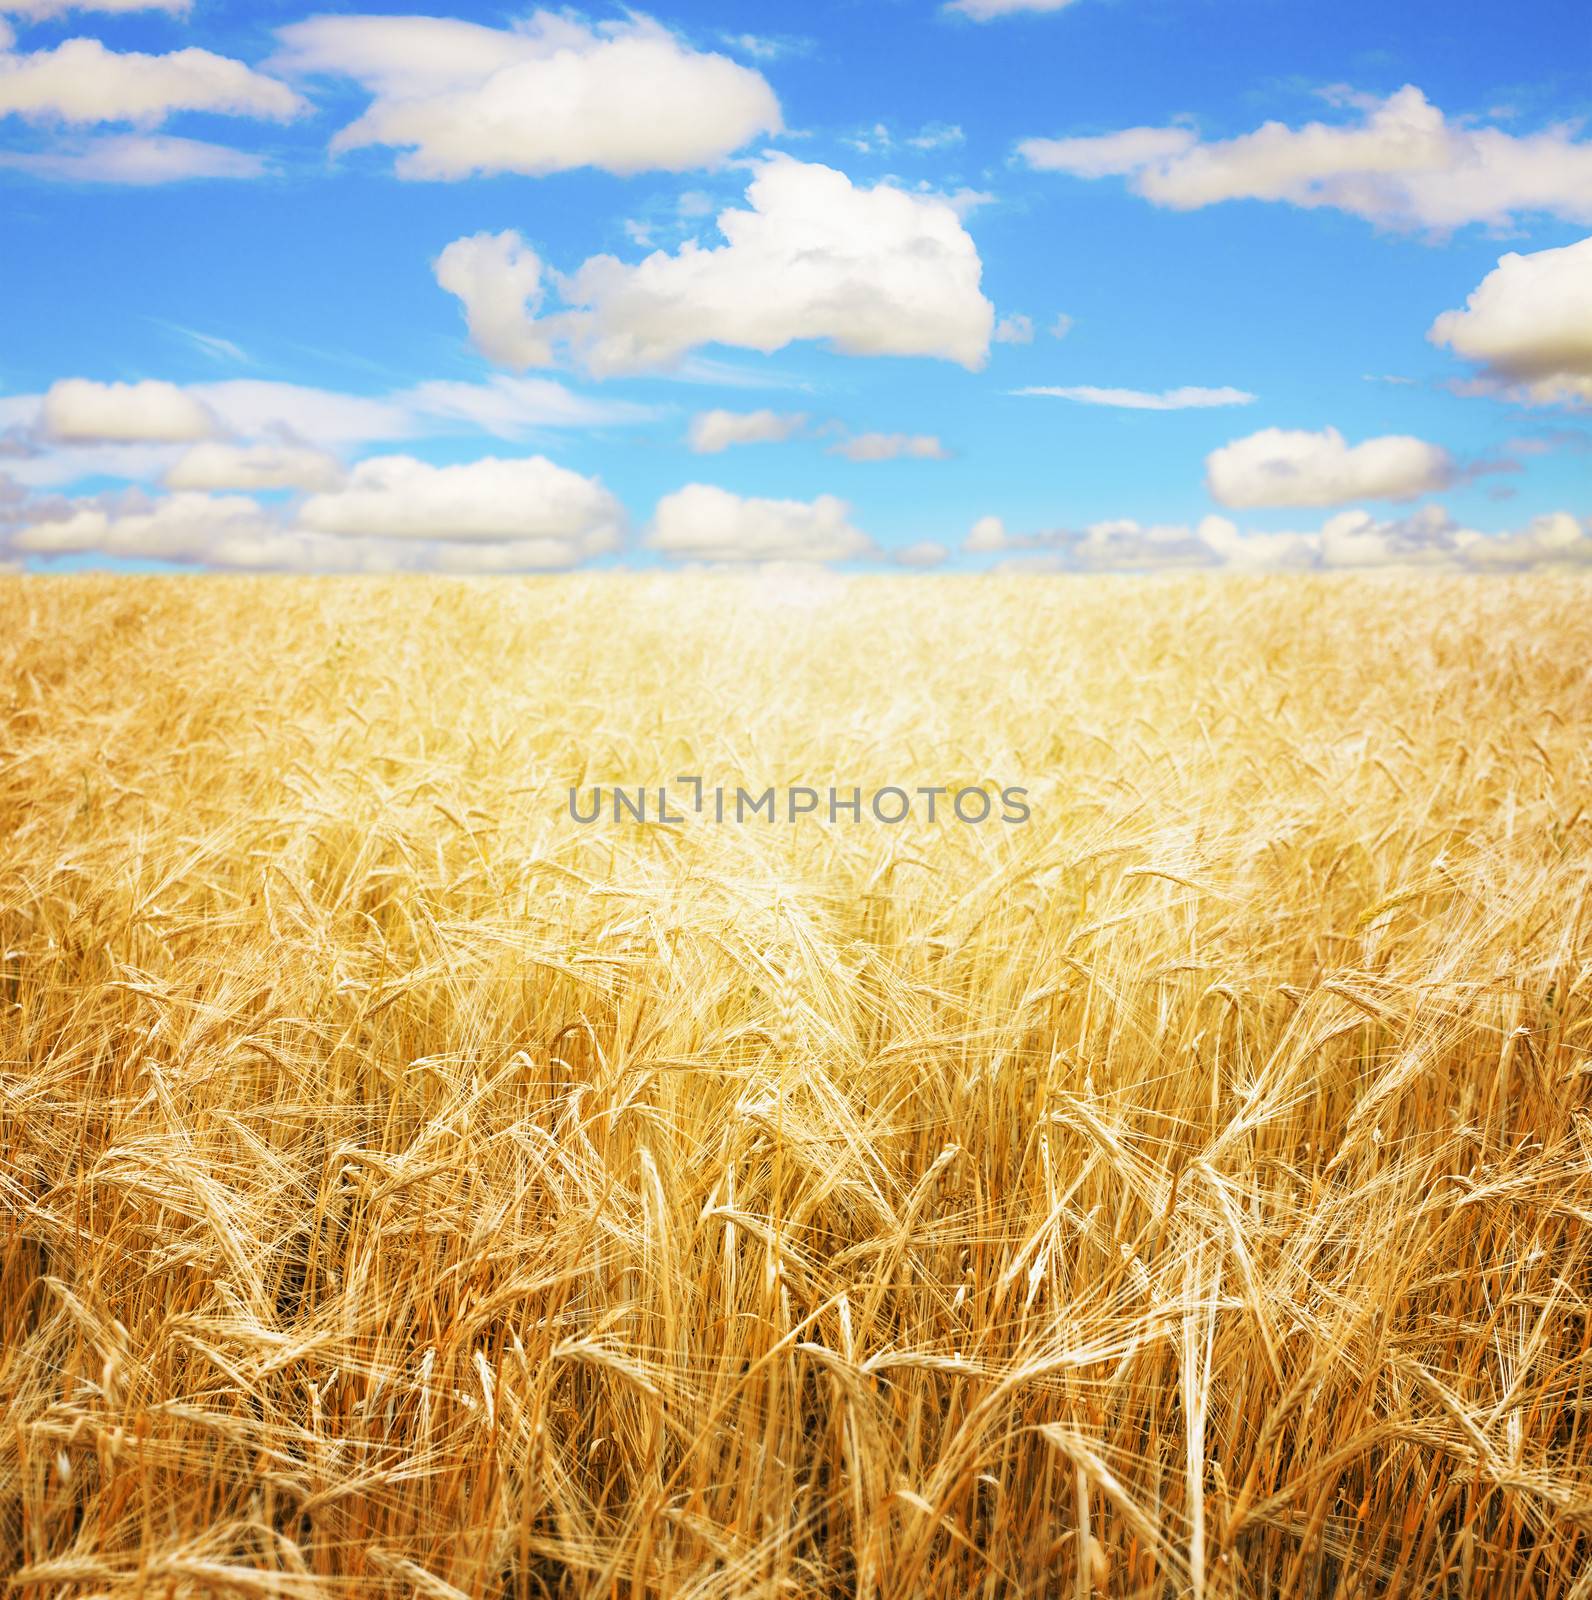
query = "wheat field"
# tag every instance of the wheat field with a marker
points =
(408, 1191)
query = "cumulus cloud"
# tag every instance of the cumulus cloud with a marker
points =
(1122, 544)
(1191, 398)
(1551, 540)
(134, 159)
(1428, 537)
(987, 535)
(81, 81)
(214, 465)
(78, 410)
(530, 500)
(548, 95)
(872, 271)
(1279, 467)
(1358, 539)
(497, 278)
(1256, 552)
(1400, 163)
(1528, 324)
(136, 432)
(704, 523)
(1431, 537)
(891, 447)
(713, 431)
(182, 527)
(1118, 544)
(236, 532)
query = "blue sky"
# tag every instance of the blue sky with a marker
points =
(948, 207)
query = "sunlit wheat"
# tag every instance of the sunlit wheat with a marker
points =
(408, 1191)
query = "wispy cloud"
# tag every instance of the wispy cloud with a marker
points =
(1185, 399)
(210, 344)
(135, 160)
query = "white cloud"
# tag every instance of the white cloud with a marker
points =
(964, 201)
(498, 280)
(1428, 537)
(37, 466)
(988, 10)
(872, 271)
(986, 535)
(1191, 398)
(937, 136)
(1401, 164)
(1048, 549)
(1256, 552)
(272, 548)
(704, 523)
(761, 47)
(1108, 155)
(880, 140)
(548, 95)
(1551, 540)
(1118, 543)
(78, 410)
(38, 10)
(214, 465)
(291, 551)
(133, 431)
(510, 408)
(1529, 325)
(81, 81)
(256, 408)
(1357, 539)
(503, 406)
(211, 344)
(1122, 544)
(180, 528)
(1061, 327)
(236, 532)
(891, 447)
(925, 553)
(134, 159)
(530, 500)
(1015, 329)
(1278, 467)
(876, 139)
(713, 431)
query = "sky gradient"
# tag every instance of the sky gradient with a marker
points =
(1114, 284)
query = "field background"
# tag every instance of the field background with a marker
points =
(407, 1192)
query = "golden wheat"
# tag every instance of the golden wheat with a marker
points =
(409, 1191)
